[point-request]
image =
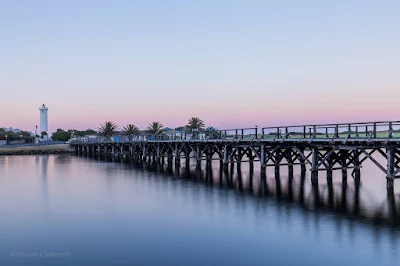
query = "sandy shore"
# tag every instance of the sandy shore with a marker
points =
(31, 150)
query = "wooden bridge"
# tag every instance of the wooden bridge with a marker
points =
(321, 147)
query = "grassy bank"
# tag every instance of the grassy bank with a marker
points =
(33, 150)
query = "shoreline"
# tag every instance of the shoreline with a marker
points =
(37, 150)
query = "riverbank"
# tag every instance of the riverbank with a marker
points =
(34, 150)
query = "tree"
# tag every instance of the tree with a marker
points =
(78, 133)
(61, 135)
(89, 132)
(130, 129)
(10, 136)
(155, 128)
(24, 134)
(107, 129)
(195, 123)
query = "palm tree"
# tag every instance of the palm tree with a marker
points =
(107, 129)
(195, 123)
(130, 129)
(154, 128)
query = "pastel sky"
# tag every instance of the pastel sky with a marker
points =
(232, 63)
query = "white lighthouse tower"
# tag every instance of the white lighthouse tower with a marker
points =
(43, 121)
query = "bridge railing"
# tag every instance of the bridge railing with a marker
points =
(239, 134)
(349, 131)
(371, 130)
(173, 135)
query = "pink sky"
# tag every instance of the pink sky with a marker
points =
(231, 113)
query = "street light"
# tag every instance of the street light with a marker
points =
(6, 139)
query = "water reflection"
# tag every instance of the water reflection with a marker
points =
(342, 198)
(256, 218)
(43, 162)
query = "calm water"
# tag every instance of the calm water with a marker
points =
(90, 211)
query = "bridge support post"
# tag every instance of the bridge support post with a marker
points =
(187, 159)
(170, 157)
(390, 167)
(208, 161)
(158, 155)
(232, 170)
(198, 155)
(177, 155)
(343, 159)
(290, 162)
(251, 162)
(144, 155)
(262, 160)
(225, 160)
(302, 161)
(277, 164)
(329, 172)
(357, 171)
(314, 166)
(239, 159)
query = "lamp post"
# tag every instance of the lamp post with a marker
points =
(6, 139)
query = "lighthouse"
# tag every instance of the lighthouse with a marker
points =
(43, 121)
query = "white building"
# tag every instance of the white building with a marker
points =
(43, 121)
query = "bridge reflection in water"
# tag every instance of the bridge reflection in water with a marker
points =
(348, 199)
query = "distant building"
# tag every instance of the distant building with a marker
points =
(171, 133)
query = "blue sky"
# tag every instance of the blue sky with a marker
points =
(232, 63)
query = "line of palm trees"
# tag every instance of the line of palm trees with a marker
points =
(109, 128)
